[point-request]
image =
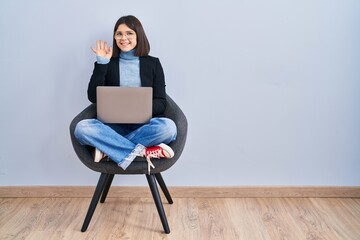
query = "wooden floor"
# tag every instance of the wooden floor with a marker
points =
(189, 218)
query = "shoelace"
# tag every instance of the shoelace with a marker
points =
(149, 164)
(152, 154)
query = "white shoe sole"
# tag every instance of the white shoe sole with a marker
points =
(169, 153)
(98, 155)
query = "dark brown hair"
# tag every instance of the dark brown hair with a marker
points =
(143, 46)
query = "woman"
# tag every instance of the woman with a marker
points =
(128, 64)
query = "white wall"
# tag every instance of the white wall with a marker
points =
(271, 89)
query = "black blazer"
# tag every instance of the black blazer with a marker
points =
(151, 75)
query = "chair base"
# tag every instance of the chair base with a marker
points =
(104, 185)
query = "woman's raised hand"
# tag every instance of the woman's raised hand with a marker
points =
(102, 49)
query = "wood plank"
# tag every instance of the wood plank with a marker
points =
(189, 218)
(185, 192)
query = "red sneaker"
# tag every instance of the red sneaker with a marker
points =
(160, 151)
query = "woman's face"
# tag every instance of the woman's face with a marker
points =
(125, 38)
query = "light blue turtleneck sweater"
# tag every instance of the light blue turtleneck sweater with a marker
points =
(129, 68)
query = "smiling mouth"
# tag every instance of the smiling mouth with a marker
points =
(124, 43)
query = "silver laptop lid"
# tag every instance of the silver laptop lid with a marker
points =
(124, 104)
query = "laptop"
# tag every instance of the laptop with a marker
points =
(124, 104)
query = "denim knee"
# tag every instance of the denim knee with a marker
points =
(83, 128)
(168, 128)
(79, 129)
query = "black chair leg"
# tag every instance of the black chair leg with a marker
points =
(99, 189)
(155, 193)
(163, 187)
(109, 180)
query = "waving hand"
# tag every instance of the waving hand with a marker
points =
(102, 49)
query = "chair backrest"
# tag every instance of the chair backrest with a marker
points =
(139, 166)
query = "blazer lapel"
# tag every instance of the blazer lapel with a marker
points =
(116, 72)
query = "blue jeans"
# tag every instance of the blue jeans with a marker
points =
(123, 142)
